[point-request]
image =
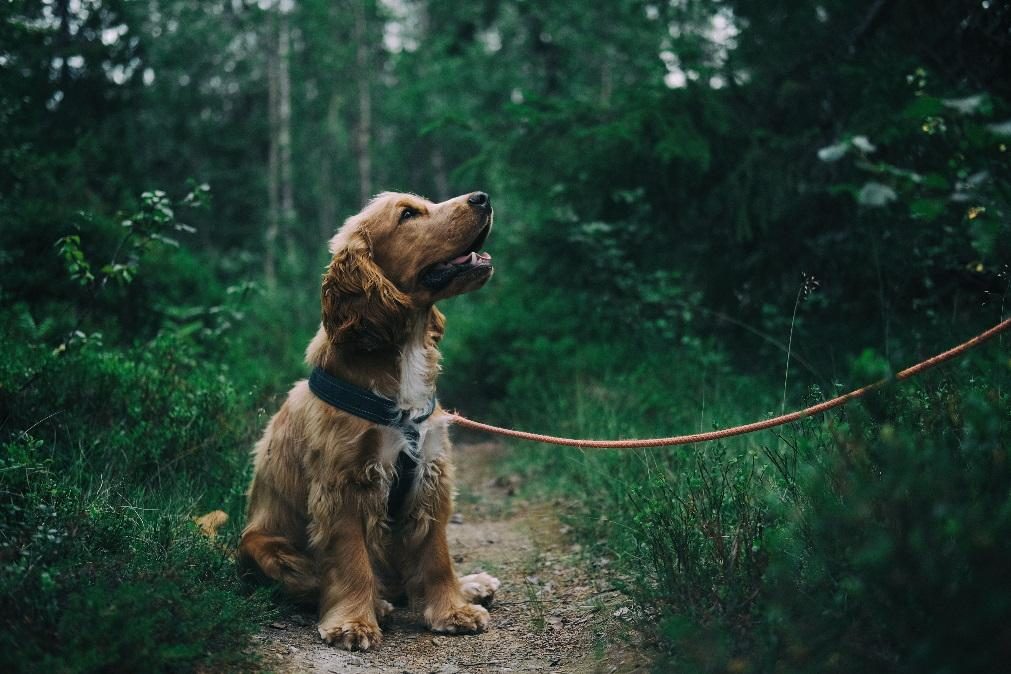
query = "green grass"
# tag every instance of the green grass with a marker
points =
(91, 581)
(107, 453)
(872, 539)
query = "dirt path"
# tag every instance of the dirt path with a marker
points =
(550, 615)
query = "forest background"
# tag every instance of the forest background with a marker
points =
(707, 211)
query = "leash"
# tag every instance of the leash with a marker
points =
(933, 361)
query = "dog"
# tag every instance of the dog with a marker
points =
(349, 511)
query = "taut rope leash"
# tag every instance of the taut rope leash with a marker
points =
(736, 430)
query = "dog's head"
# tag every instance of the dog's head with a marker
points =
(402, 253)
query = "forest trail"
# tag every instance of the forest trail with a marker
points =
(551, 614)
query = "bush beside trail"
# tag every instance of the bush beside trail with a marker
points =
(874, 538)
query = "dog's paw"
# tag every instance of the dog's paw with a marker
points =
(463, 619)
(352, 635)
(479, 588)
(383, 609)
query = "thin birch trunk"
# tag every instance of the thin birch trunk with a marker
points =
(273, 172)
(363, 132)
(288, 215)
(328, 151)
(282, 216)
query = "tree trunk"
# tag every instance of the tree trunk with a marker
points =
(288, 215)
(606, 80)
(439, 174)
(273, 172)
(281, 200)
(63, 41)
(328, 151)
(363, 132)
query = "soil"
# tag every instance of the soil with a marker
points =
(552, 613)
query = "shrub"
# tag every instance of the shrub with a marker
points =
(90, 582)
(144, 414)
(871, 539)
(113, 436)
(893, 554)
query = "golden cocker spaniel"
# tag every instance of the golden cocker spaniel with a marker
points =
(352, 487)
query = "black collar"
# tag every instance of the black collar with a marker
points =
(378, 409)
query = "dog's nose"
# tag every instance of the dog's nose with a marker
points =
(479, 199)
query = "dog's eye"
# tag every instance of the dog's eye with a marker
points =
(407, 214)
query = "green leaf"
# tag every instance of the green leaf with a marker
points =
(970, 105)
(876, 195)
(936, 181)
(870, 366)
(833, 153)
(1002, 129)
(863, 144)
(923, 106)
(926, 209)
(985, 234)
(164, 239)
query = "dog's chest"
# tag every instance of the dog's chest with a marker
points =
(419, 366)
(418, 369)
(394, 442)
(409, 466)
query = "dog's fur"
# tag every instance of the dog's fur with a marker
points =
(317, 514)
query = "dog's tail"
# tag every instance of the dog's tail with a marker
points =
(211, 522)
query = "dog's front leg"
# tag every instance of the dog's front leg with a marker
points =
(348, 590)
(430, 578)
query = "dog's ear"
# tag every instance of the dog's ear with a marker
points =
(360, 305)
(436, 325)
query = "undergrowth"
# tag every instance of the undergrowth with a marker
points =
(128, 404)
(875, 538)
(871, 539)
(100, 566)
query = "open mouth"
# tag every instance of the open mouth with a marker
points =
(439, 275)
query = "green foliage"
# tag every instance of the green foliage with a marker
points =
(642, 218)
(113, 440)
(874, 539)
(100, 569)
(92, 582)
(669, 179)
(78, 267)
(957, 186)
(108, 399)
(891, 553)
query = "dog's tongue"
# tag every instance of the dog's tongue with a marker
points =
(471, 258)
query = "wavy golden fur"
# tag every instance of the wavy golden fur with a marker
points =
(317, 516)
